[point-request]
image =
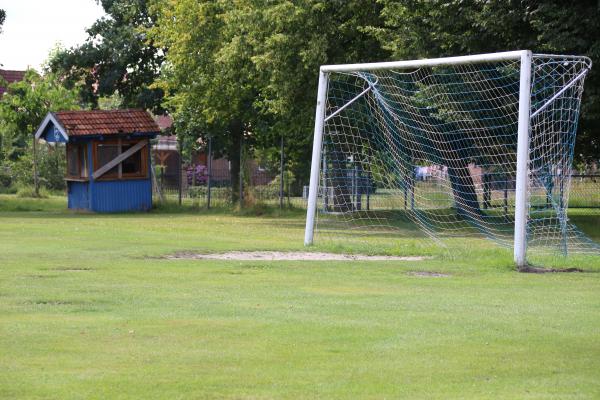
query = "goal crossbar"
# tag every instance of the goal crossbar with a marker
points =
(427, 62)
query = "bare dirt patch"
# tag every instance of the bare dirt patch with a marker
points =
(287, 256)
(428, 274)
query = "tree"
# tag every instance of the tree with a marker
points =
(422, 28)
(117, 58)
(2, 18)
(249, 67)
(22, 109)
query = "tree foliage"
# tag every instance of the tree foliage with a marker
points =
(2, 18)
(423, 28)
(250, 67)
(117, 58)
(24, 106)
(22, 109)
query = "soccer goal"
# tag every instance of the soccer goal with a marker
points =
(471, 145)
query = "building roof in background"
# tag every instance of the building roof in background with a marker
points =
(106, 122)
(166, 143)
(10, 77)
(164, 121)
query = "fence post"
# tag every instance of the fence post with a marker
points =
(413, 182)
(506, 195)
(369, 190)
(281, 175)
(241, 172)
(180, 171)
(208, 181)
(325, 191)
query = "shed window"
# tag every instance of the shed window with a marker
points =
(104, 154)
(76, 161)
(134, 166)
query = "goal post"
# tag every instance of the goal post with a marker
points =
(316, 159)
(469, 119)
(522, 189)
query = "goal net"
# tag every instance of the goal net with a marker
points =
(475, 145)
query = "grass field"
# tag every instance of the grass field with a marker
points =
(89, 309)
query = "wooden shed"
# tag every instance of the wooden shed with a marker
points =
(108, 157)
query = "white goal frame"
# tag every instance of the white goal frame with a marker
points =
(524, 127)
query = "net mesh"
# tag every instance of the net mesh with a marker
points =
(438, 145)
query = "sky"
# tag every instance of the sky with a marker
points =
(34, 27)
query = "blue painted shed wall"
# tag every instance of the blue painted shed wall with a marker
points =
(110, 195)
(123, 195)
(78, 195)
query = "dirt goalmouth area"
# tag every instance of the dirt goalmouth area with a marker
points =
(287, 256)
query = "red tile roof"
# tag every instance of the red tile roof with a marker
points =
(10, 77)
(106, 122)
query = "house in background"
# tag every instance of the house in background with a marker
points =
(10, 77)
(166, 155)
(108, 157)
(165, 152)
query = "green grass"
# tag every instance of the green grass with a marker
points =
(89, 310)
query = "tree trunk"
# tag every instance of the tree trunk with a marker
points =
(463, 187)
(342, 201)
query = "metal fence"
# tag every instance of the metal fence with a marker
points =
(263, 186)
(207, 182)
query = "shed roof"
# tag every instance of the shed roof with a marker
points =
(106, 122)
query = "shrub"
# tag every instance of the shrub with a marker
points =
(5, 177)
(197, 174)
(8, 190)
(52, 167)
(29, 192)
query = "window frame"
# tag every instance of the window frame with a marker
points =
(82, 162)
(143, 174)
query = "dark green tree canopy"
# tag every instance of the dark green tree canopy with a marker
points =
(253, 65)
(423, 28)
(117, 57)
(2, 18)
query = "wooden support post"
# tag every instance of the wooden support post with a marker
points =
(36, 181)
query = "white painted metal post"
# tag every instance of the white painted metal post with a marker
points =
(522, 186)
(316, 159)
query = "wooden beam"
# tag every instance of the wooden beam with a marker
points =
(115, 161)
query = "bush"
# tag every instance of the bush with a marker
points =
(197, 174)
(29, 192)
(271, 191)
(196, 192)
(8, 190)
(5, 177)
(52, 166)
